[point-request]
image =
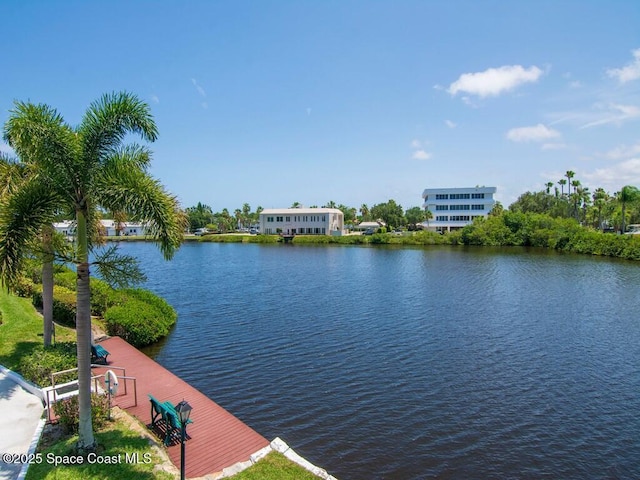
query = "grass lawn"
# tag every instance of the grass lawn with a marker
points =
(122, 455)
(275, 466)
(21, 329)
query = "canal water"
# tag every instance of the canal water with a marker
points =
(413, 363)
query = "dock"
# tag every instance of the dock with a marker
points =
(216, 438)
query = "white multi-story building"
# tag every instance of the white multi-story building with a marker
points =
(453, 208)
(302, 221)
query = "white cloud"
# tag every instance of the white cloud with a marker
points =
(416, 143)
(614, 113)
(536, 133)
(421, 155)
(450, 124)
(613, 178)
(155, 99)
(494, 81)
(629, 72)
(623, 152)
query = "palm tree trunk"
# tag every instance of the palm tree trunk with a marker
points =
(47, 286)
(86, 440)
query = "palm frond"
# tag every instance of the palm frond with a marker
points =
(109, 119)
(22, 214)
(119, 271)
(143, 198)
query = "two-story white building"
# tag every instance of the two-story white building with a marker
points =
(453, 208)
(302, 221)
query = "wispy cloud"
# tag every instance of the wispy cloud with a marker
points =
(494, 81)
(155, 99)
(450, 124)
(537, 133)
(613, 113)
(553, 146)
(421, 155)
(201, 91)
(629, 72)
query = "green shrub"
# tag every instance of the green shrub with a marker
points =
(23, 287)
(64, 304)
(103, 296)
(67, 412)
(38, 366)
(168, 315)
(136, 321)
(66, 278)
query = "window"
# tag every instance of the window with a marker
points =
(442, 207)
(442, 196)
(459, 218)
(288, 219)
(279, 219)
(459, 196)
(442, 218)
(269, 219)
(477, 207)
(477, 195)
(459, 207)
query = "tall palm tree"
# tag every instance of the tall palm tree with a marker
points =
(15, 176)
(626, 195)
(570, 174)
(78, 169)
(599, 201)
(562, 182)
(548, 185)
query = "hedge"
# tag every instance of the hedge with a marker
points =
(138, 322)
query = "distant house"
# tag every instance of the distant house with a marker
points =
(109, 228)
(453, 208)
(302, 221)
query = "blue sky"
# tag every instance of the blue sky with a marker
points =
(275, 102)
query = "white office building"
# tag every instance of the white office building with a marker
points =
(453, 208)
(302, 221)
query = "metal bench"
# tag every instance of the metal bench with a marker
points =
(99, 354)
(165, 417)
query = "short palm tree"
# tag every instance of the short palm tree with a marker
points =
(627, 195)
(77, 170)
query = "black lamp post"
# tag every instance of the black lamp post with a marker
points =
(184, 410)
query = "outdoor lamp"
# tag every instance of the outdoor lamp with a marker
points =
(183, 409)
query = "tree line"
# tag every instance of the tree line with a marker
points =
(390, 212)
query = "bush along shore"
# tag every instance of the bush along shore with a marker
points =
(505, 230)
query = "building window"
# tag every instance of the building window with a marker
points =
(459, 196)
(442, 207)
(288, 219)
(477, 207)
(442, 218)
(269, 219)
(459, 218)
(279, 219)
(442, 196)
(459, 207)
(477, 195)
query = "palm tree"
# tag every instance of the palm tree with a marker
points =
(15, 176)
(364, 211)
(562, 182)
(570, 174)
(626, 195)
(599, 201)
(78, 169)
(548, 185)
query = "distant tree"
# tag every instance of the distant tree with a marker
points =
(296, 205)
(600, 198)
(415, 216)
(428, 215)
(627, 195)
(331, 204)
(199, 216)
(562, 182)
(497, 210)
(364, 212)
(549, 185)
(570, 174)
(390, 213)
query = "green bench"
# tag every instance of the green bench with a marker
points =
(164, 415)
(99, 354)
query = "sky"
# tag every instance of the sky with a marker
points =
(357, 102)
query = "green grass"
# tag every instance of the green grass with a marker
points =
(21, 329)
(122, 455)
(275, 466)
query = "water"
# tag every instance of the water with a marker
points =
(384, 363)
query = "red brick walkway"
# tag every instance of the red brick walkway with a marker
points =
(217, 438)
